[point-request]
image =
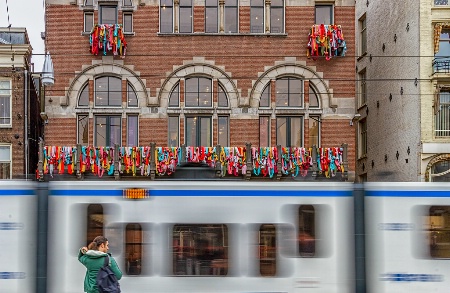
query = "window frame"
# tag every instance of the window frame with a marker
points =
(198, 130)
(362, 85)
(88, 26)
(108, 91)
(314, 118)
(136, 143)
(268, 130)
(175, 91)
(257, 8)
(108, 130)
(100, 13)
(362, 135)
(125, 28)
(163, 5)
(177, 124)
(199, 92)
(84, 90)
(288, 132)
(8, 161)
(86, 128)
(302, 95)
(7, 97)
(130, 86)
(362, 21)
(191, 16)
(283, 11)
(209, 7)
(330, 6)
(227, 134)
(442, 116)
(236, 16)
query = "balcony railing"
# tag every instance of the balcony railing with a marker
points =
(106, 38)
(326, 41)
(441, 65)
(152, 161)
(440, 2)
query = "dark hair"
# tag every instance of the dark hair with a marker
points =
(99, 240)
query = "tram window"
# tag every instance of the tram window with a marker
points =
(200, 249)
(133, 249)
(94, 222)
(439, 231)
(267, 250)
(306, 231)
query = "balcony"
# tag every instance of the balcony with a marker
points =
(440, 2)
(326, 41)
(441, 65)
(107, 38)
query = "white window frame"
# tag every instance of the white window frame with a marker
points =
(8, 125)
(86, 25)
(10, 159)
(130, 14)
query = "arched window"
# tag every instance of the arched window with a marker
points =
(289, 92)
(108, 91)
(313, 98)
(440, 172)
(83, 98)
(198, 92)
(265, 97)
(174, 98)
(131, 96)
(222, 97)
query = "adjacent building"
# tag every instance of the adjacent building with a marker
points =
(201, 73)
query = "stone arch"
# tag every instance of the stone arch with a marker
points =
(299, 69)
(436, 159)
(206, 69)
(95, 70)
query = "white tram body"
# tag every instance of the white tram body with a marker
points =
(407, 237)
(256, 223)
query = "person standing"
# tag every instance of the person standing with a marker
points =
(93, 258)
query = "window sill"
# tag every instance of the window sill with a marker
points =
(222, 34)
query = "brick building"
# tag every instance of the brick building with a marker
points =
(20, 121)
(201, 73)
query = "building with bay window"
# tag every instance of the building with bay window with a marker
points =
(201, 73)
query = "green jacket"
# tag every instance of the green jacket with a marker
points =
(93, 260)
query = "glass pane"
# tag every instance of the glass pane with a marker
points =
(94, 222)
(83, 130)
(211, 20)
(267, 250)
(223, 131)
(101, 91)
(5, 153)
(191, 131)
(133, 249)
(282, 92)
(115, 91)
(200, 249)
(205, 131)
(441, 167)
(257, 19)
(5, 110)
(306, 231)
(313, 98)
(185, 19)
(276, 20)
(166, 18)
(191, 92)
(296, 132)
(128, 22)
(295, 92)
(265, 97)
(175, 96)
(223, 100)
(314, 131)
(173, 131)
(132, 97)
(5, 88)
(5, 170)
(108, 14)
(132, 131)
(282, 131)
(438, 224)
(88, 2)
(115, 131)
(205, 92)
(231, 17)
(100, 130)
(324, 14)
(88, 22)
(127, 3)
(231, 2)
(264, 131)
(83, 100)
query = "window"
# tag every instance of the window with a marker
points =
(108, 130)
(313, 97)
(198, 131)
(440, 2)
(128, 22)
(438, 224)
(257, 16)
(83, 130)
(223, 131)
(222, 98)
(314, 131)
(133, 249)
(267, 250)
(132, 97)
(276, 16)
(362, 35)
(88, 2)
(174, 138)
(132, 131)
(5, 162)
(442, 123)
(264, 131)
(211, 16)
(290, 131)
(441, 61)
(231, 16)
(200, 249)
(440, 172)
(289, 92)
(174, 98)
(88, 21)
(324, 14)
(166, 16)
(198, 92)
(185, 16)
(363, 138)
(108, 91)
(306, 231)
(5, 103)
(83, 98)
(362, 88)
(127, 2)
(265, 97)
(108, 14)
(94, 222)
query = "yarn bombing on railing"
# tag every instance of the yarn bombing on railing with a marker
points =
(326, 41)
(232, 161)
(107, 38)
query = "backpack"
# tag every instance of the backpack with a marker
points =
(107, 280)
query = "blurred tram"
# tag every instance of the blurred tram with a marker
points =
(229, 236)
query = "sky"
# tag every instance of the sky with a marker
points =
(28, 14)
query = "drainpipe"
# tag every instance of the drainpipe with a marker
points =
(25, 94)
